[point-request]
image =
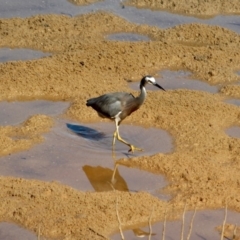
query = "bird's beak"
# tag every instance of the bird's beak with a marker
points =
(159, 86)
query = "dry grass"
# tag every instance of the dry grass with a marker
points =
(164, 225)
(234, 235)
(191, 224)
(119, 221)
(150, 224)
(224, 222)
(235, 232)
(183, 220)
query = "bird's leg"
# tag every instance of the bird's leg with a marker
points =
(117, 135)
(132, 147)
(113, 180)
(113, 143)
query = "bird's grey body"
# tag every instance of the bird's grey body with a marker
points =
(117, 106)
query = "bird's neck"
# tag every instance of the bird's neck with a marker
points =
(142, 95)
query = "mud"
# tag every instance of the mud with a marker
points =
(203, 167)
(84, 2)
(25, 135)
(203, 9)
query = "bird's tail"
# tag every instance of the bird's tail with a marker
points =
(90, 102)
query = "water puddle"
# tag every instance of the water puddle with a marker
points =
(13, 113)
(233, 132)
(233, 101)
(133, 37)
(8, 54)
(80, 155)
(10, 231)
(125, 179)
(74, 160)
(24, 8)
(150, 139)
(178, 80)
(204, 227)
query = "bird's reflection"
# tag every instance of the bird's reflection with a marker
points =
(105, 179)
(85, 132)
(102, 179)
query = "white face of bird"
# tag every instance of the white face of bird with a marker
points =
(150, 80)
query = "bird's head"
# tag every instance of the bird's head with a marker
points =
(150, 80)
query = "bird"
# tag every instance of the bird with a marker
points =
(118, 105)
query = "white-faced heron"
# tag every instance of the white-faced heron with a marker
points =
(117, 106)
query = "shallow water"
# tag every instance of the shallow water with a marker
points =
(133, 37)
(85, 163)
(178, 80)
(64, 157)
(24, 8)
(74, 154)
(13, 113)
(12, 231)
(233, 131)
(233, 101)
(8, 54)
(204, 225)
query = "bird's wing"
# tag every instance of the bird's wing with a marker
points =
(131, 104)
(110, 104)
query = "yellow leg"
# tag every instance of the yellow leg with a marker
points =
(117, 135)
(113, 180)
(132, 147)
(113, 144)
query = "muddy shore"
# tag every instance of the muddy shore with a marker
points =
(202, 169)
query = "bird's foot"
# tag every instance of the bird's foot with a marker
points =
(133, 148)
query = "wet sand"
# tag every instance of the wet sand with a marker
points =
(203, 9)
(202, 170)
